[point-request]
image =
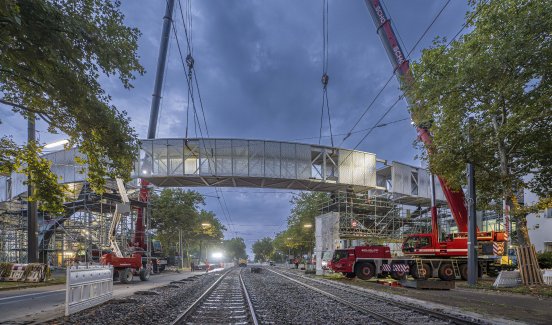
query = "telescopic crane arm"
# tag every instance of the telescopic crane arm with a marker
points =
(401, 66)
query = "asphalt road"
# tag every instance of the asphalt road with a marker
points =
(31, 305)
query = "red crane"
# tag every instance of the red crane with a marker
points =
(401, 66)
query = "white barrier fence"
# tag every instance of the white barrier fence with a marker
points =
(87, 286)
(547, 277)
(507, 279)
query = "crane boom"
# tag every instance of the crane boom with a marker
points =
(401, 68)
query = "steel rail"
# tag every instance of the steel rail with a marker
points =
(196, 303)
(249, 302)
(341, 300)
(440, 315)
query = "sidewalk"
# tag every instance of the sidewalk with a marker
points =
(38, 304)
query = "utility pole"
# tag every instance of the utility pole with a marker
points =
(32, 207)
(472, 236)
(181, 251)
(161, 60)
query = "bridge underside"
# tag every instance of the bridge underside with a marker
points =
(253, 182)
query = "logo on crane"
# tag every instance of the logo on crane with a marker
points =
(380, 14)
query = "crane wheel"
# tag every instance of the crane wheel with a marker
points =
(365, 271)
(349, 275)
(125, 275)
(144, 274)
(397, 275)
(464, 271)
(446, 272)
(425, 272)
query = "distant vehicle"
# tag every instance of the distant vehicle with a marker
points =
(201, 267)
(242, 262)
(271, 263)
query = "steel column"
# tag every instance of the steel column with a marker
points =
(161, 60)
(472, 225)
(32, 207)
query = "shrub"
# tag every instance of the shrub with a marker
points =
(545, 260)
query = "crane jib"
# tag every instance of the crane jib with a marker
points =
(401, 66)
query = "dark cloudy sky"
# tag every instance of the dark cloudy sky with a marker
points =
(259, 64)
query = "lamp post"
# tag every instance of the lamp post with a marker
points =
(308, 226)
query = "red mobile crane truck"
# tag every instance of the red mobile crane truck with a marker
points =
(138, 263)
(426, 255)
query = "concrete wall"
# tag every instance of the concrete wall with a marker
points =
(326, 233)
(539, 224)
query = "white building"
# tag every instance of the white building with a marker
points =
(539, 225)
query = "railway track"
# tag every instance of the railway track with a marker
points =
(386, 310)
(225, 301)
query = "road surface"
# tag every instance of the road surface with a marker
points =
(31, 305)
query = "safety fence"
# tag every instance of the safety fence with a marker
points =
(87, 286)
(31, 272)
(547, 275)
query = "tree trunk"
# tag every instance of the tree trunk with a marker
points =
(507, 191)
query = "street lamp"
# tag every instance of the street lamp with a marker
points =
(308, 225)
(206, 224)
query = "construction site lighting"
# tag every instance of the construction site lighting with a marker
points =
(308, 225)
(56, 144)
(217, 255)
(205, 224)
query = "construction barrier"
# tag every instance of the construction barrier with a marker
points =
(547, 275)
(33, 272)
(529, 265)
(507, 279)
(87, 286)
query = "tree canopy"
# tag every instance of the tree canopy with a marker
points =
(499, 74)
(263, 249)
(235, 248)
(297, 237)
(177, 210)
(53, 55)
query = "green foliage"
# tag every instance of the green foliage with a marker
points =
(47, 192)
(5, 269)
(297, 238)
(545, 260)
(263, 249)
(175, 210)
(235, 248)
(500, 75)
(52, 55)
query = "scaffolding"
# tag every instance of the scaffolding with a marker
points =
(373, 216)
(80, 234)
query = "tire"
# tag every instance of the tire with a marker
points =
(365, 271)
(144, 274)
(161, 268)
(426, 272)
(349, 275)
(446, 272)
(125, 275)
(155, 266)
(464, 271)
(398, 275)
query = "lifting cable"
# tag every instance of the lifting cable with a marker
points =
(325, 78)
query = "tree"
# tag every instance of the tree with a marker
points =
(263, 249)
(306, 206)
(174, 211)
(500, 75)
(235, 248)
(52, 54)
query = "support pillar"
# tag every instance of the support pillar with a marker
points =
(32, 207)
(472, 222)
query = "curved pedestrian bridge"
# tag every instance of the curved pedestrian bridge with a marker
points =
(254, 163)
(251, 163)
